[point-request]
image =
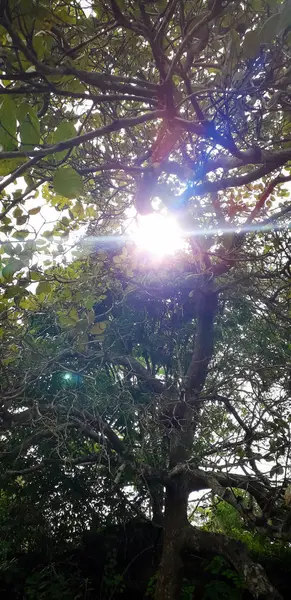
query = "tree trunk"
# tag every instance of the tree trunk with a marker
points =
(185, 420)
(170, 574)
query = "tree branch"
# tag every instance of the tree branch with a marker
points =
(14, 175)
(197, 370)
(261, 202)
(70, 462)
(217, 7)
(96, 98)
(140, 371)
(76, 141)
(235, 181)
(236, 553)
(197, 480)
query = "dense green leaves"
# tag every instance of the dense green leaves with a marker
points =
(66, 84)
(124, 376)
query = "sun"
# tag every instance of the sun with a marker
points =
(158, 234)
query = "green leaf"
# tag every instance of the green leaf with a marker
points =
(22, 111)
(65, 131)
(270, 29)
(78, 210)
(34, 276)
(18, 212)
(257, 5)
(7, 166)
(28, 180)
(90, 316)
(42, 44)
(98, 328)
(21, 234)
(14, 290)
(8, 139)
(34, 211)
(43, 287)
(121, 4)
(82, 342)
(82, 325)
(68, 183)
(251, 44)
(89, 302)
(73, 314)
(8, 249)
(11, 268)
(41, 242)
(285, 17)
(21, 220)
(30, 130)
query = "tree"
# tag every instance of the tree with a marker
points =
(159, 362)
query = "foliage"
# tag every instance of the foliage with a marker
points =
(222, 589)
(129, 383)
(224, 518)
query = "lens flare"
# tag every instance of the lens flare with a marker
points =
(157, 235)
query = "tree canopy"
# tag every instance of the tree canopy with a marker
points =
(131, 387)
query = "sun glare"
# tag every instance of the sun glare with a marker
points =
(158, 234)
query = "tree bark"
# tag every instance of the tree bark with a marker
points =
(170, 574)
(185, 417)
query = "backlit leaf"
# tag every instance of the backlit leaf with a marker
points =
(68, 183)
